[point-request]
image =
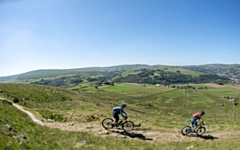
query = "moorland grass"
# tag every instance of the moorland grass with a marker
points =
(157, 108)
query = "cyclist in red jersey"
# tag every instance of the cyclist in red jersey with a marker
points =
(195, 117)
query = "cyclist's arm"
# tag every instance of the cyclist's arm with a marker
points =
(123, 114)
(200, 119)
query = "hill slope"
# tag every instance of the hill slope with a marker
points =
(162, 112)
(144, 74)
(230, 71)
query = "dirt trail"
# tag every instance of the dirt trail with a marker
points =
(34, 119)
(98, 130)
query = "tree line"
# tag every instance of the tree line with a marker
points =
(167, 77)
(144, 76)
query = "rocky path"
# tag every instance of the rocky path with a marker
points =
(34, 119)
(98, 130)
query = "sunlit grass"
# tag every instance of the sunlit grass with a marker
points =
(161, 109)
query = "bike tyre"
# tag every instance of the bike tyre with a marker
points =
(186, 130)
(201, 131)
(128, 126)
(107, 123)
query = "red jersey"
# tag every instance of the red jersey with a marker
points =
(196, 116)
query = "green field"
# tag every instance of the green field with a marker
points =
(159, 109)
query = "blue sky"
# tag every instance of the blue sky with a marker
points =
(63, 34)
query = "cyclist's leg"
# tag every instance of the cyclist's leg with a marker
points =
(194, 123)
(116, 118)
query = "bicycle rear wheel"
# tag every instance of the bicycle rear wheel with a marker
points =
(107, 123)
(201, 131)
(128, 125)
(186, 130)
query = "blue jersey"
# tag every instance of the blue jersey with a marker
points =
(118, 110)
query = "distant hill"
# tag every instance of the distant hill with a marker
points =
(231, 71)
(137, 73)
(48, 73)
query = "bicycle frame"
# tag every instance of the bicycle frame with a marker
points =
(120, 122)
(198, 126)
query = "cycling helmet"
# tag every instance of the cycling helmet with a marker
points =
(202, 112)
(124, 105)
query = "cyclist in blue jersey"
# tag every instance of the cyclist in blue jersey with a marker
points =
(119, 111)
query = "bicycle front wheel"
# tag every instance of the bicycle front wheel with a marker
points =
(128, 125)
(107, 123)
(186, 130)
(201, 131)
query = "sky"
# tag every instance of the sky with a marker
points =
(65, 34)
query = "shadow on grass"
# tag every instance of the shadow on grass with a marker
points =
(205, 137)
(132, 135)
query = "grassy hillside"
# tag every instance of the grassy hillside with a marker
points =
(163, 75)
(166, 104)
(217, 73)
(49, 73)
(231, 71)
(76, 76)
(38, 137)
(159, 109)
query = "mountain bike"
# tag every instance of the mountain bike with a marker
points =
(200, 130)
(125, 124)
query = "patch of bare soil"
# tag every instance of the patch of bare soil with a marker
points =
(215, 85)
